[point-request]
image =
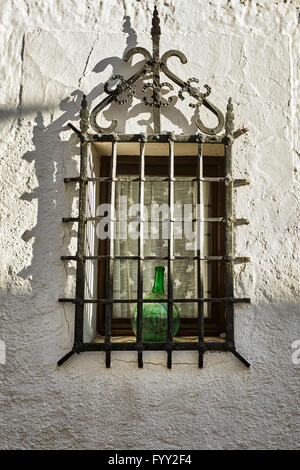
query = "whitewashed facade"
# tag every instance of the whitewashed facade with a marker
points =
(243, 49)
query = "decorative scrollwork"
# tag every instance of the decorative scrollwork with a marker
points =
(137, 50)
(167, 71)
(194, 92)
(157, 99)
(154, 64)
(121, 88)
(104, 103)
(219, 115)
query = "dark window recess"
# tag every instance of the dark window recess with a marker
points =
(202, 163)
(185, 172)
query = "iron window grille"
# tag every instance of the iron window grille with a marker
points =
(223, 134)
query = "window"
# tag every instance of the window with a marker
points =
(156, 233)
(187, 180)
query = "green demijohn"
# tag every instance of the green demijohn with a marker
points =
(155, 315)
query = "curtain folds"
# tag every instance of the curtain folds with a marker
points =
(156, 242)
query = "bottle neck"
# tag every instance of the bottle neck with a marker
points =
(158, 286)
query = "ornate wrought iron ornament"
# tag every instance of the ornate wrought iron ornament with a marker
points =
(154, 65)
(125, 89)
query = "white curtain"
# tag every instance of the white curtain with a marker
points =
(185, 271)
(91, 247)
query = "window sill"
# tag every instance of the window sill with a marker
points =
(177, 339)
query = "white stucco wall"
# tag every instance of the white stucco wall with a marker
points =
(245, 49)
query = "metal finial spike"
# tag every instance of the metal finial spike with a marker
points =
(229, 105)
(84, 102)
(84, 115)
(155, 30)
(229, 121)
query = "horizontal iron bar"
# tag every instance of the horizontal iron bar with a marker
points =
(241, 222)
(184, 346)
(137, 219)
(168, 219)
(240, 182)
(239, 132)
(70, 219)
(157, 346)
(154, 138)
(157, 138)
(150, 179)
(232, 300)
(244, 259)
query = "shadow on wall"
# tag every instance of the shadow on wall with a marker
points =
(49, 145)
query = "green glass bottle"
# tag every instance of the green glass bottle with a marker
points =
(155, 315)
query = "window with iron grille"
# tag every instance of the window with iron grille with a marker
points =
(156, 197)
(178, 195)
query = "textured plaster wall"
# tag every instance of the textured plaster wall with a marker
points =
(51, 52)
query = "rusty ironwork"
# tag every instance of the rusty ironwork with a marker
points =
(171, 250)
(140, 257)
(154, 65)
(200, 236)
(157, 98)
(229, 240)
(120, 90)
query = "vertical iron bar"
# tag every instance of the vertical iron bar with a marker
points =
(141, 255)
(229, 292)
(110, 270)
(200, 241)
(155, 33)
(80, 272)
(170, 252)
(229, 245)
